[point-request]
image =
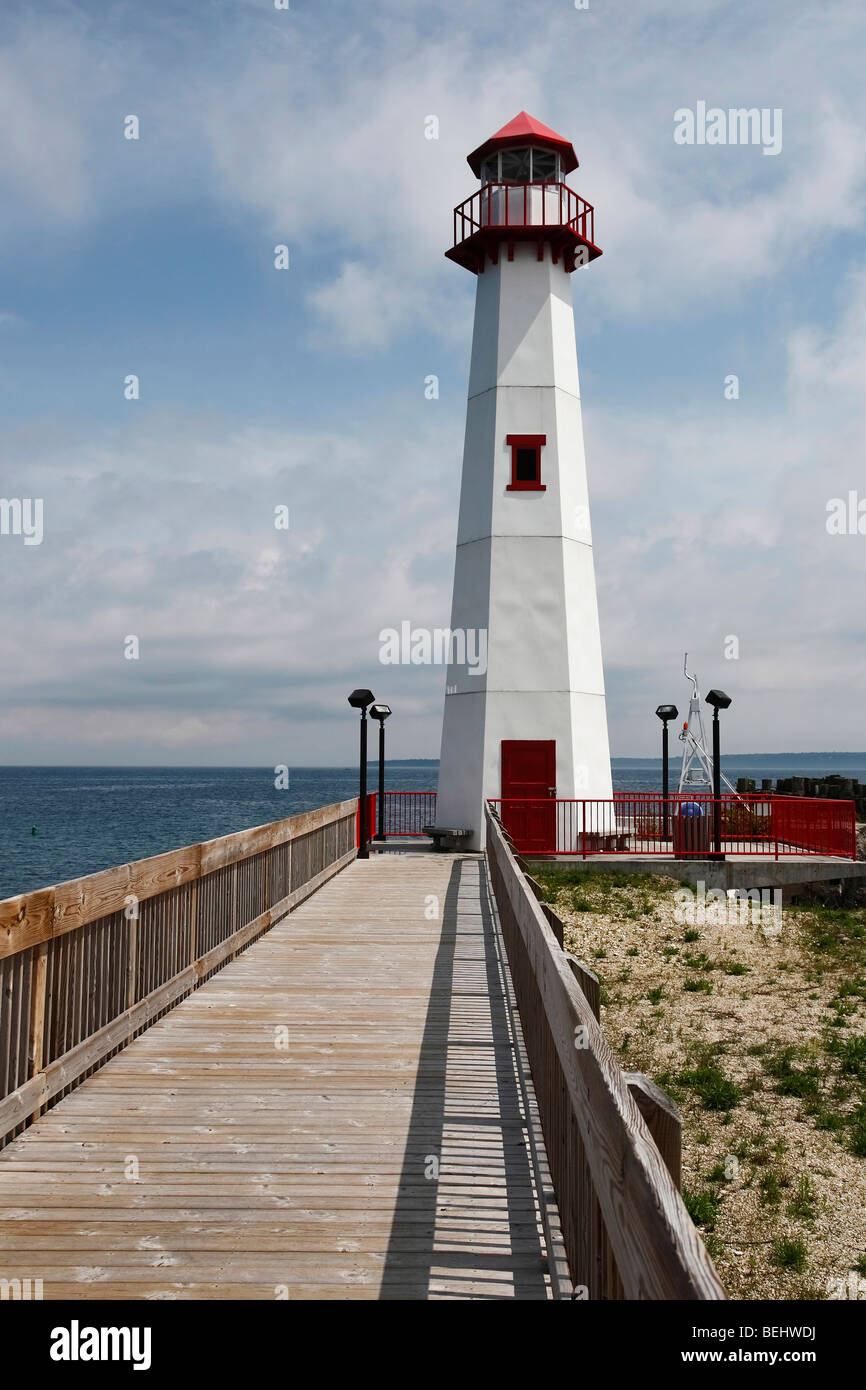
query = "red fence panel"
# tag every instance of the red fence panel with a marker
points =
(810, 825)
(682, 826)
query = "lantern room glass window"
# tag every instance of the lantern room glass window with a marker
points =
(516, 166)
(544, 164)
(522, 165)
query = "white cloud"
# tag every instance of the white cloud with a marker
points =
(707, 520)
(175, 543)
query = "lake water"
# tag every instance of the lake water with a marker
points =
(90, 818)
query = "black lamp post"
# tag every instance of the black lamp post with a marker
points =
(381, 713)
(360, 699)
(719, 700)
(665, 712)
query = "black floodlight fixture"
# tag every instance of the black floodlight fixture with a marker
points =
(377, 711)
(667, 712)
(718, 699)
(360, 699)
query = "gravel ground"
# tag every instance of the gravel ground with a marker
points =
(755, 1027)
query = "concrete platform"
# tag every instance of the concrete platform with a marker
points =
(741, 871)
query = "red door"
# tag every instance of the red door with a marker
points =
(529, 771)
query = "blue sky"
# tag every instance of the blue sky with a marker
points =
(306, 387)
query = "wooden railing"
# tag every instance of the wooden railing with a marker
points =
(626, 1231)
(88, 964)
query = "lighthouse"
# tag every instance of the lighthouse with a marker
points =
(529, 723)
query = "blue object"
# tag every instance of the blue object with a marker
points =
(691, 808)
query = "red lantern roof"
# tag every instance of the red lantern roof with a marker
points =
(523, 130)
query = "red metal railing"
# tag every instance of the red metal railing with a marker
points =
(516, 205)
(406, 813)
(681, 826)
(821, 826)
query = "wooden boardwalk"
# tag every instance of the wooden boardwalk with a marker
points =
(277, 1133)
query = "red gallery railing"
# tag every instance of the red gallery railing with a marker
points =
(681, 826)
(514, 206)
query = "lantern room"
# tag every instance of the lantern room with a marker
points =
(523, 196)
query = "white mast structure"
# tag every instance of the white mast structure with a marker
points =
(696, 773)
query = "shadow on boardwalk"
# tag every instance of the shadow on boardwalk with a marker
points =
(474, 1230)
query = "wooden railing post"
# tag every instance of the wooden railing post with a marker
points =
(588, 982)
(132, 960)
(36, 1031)
(39, 979)
(193, 921)
(556, 923)
(663, 1120)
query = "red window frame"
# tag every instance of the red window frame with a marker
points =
(526, 441)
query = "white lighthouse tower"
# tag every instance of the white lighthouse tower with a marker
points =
(531, 721)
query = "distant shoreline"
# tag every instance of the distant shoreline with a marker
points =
(621, 760)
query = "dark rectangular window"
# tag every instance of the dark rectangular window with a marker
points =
(526, 462)
(526, 466)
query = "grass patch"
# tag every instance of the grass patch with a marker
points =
(835, 935)
(803, 1080)
(804, 1205)
(851, 1053)
(699, 986)
(858, 1132)
(702, 1207)
(825, 1118)
(770, 1187)
(711, 1086)
(786, 1253)
(600, 887)
(655, 996)
(700, 961)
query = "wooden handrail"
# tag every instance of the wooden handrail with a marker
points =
(30, 918)
(86, 964)
(626, 1229)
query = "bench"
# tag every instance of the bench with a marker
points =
(441, 834)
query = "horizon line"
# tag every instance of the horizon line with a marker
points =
(257, 767)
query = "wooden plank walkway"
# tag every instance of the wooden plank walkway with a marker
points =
(276, 1134)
